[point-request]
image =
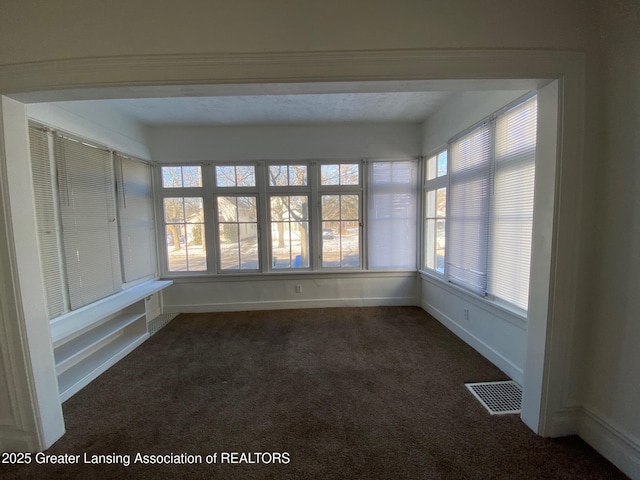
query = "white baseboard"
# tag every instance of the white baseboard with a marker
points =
(291, 304)
(503, 363)
(16, 441)
(611, 442)
(564, 422)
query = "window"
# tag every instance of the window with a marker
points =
(392, 215)
(435, 201)
(89, 223)
(238, 232)
(181, 177)
(340, 174)
(287, 175)
(341, 230)
(48, 219)
(289, 226)
(184, 228)
(183, 217)
(94, 211)
(340, 210)
(512, 216)
(289, 216)
(289, 219)
(479, 196)
(235, 176)
(470, 164)
(136, 221)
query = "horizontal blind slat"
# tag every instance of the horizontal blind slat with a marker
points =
(88, 210)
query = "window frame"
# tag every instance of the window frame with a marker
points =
(355, 189)
(289, 191)
(160, 193)
(433, 185)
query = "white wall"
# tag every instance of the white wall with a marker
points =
(33, 31)
(611, 395)
(496, 333)
(95, 122)
(272, 292)
(32, 415)
(348, 141)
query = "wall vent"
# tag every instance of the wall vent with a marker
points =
(499, 398)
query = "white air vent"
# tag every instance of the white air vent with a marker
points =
(500, 398)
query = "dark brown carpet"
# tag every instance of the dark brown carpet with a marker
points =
(349, 393)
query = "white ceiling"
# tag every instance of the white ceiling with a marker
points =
(233, 110)
(410, 101)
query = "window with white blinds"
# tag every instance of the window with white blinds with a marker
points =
(468, 209)
(89, 223)
(47, 216)
(392, 215)
(489, 205)
(136, 219)
(512, 215)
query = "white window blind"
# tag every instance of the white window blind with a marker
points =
(135, 215)
(468, 209)
(392, 205)
(89, 227)
(512, 218)
(42, 170)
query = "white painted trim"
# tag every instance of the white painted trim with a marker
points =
(503, 363)
(622, 449)
(281, 67)
(565, 422)
(286, 305)
(17, 441)
(555, 324)
(31, 323)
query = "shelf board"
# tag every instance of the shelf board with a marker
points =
(74, 351)
(74, 324)
(81, 374)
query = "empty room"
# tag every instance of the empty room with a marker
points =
(395, 251)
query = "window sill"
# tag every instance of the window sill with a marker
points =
(267, 276)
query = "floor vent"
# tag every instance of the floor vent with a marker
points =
(500, 398)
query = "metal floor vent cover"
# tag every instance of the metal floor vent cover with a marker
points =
(500, 398)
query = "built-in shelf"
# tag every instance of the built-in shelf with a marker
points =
(70, 353)
(88, 341)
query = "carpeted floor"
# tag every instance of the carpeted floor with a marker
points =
(348, 393)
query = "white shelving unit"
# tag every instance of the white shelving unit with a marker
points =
(88, 341)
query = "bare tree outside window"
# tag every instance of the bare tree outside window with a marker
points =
(340, 230)
(184, 230)
(238, 232)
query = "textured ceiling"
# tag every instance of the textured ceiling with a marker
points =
(412, 107)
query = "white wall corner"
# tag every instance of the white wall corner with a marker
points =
(33, 383)
(564, 422)
(611, 441)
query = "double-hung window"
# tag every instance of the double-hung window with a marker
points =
(392, 200)
(340, 212)
(236, 204)
(183, 213)
(289, 226)
(479, 196)
(435, 208)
